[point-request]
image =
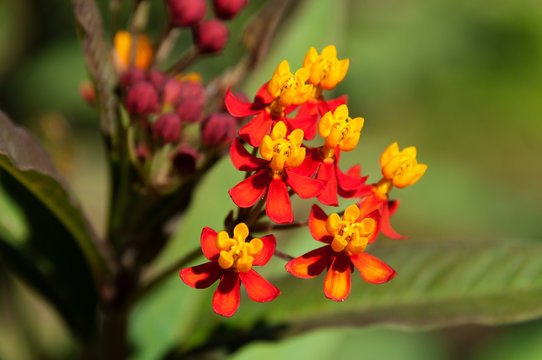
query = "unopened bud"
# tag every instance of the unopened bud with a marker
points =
(132, 76)
(185, 160)
(185, 13)
(167, 128)
(189, 109)
(142, 99)
(157, 78)
(227, 9)
(219, 129)
(172, 92)
(193, 89)
(88, 92)
(210, 36)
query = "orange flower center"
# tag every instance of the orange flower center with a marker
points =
(235, 252)
(349, 234)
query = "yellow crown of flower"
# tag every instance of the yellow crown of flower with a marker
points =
(281, 149)
(235, 252)
(348, 233)
(340, 129)
(287, 88)
(123, 48)
(326, 70)
(401, 167)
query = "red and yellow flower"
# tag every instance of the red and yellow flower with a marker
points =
(231, 261)
(399, 169)
(346, 239)
(277, 98)
(341, 132)
(280, 153)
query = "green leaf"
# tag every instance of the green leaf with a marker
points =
(438, 284)
(57, 254)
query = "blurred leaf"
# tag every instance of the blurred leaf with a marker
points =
(59, 256)
(438, 284)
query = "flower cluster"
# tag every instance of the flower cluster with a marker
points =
(288, 109)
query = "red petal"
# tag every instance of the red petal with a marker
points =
(248, 191)
(201, 276)
(256, 129)
(331, 105)
(372, 269)
(392, 206)
(337, 283)
(239, 109)
(326, 173)
(258, 289)
(242, 159)
(371, 203)
(262, 96)
(227, 295)
(317, 225)
(385, 225)
(208, 243)
(311, 264)
(310, 165)
(347, 182)
(278, 206)
(305, 123)
(304, 186)
(269, 244)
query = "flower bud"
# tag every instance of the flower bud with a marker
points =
(132, 76)
(185, 13)
(193, 89)
(185, 160)
(157, 78)
(210, 36)
(167, 128)
(189, 109)
(172, 92)
(88, 92)
(219, 129)
(142, 99)
(227, 9)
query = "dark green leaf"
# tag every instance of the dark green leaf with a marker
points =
(57, 255)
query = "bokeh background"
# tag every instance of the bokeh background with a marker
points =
(461, 80)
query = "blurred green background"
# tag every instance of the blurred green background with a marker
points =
(460, 80)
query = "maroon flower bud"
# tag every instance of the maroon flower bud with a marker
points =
(88, 92)
(189, 109)
(210, 36)
(132, 76)
(219, 129)
(142, 152)
(172, 92)
(227, 9)
(184, 13)
(142, 99)
(185, 160)
(191, 88)
(157, 78)
(167, 128)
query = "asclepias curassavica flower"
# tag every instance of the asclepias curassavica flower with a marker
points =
(289, 108)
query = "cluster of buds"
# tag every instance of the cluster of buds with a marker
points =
(209, 35)
(287, 110)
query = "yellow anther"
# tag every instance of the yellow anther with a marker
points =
(326, 70)
(283, 150)
(123, 48)
(287, 88)
(348, 233)
(340, 129)
(235, 252)
(401, 167)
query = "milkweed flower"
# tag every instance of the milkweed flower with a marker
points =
(277, 98)
(273, 173)
(326, 71)
(231, 262)
(346, 239)
(122, 53)
(399, 169)
(341, 132)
